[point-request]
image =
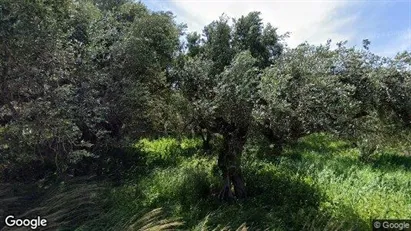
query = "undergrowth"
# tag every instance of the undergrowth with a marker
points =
(319, 183)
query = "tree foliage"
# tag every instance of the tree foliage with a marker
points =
(74, 82)
(81, 80)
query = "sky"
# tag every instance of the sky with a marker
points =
(387, 24)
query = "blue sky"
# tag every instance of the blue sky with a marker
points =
(387, 24)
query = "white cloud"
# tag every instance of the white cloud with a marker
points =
(309, 20)
(395, 42)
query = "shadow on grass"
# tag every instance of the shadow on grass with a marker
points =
(320, 143)
(65, 206)
(274, 202)
(391, 162)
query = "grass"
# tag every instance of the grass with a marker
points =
(318, 184)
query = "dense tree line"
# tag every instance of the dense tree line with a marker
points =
(82, 79)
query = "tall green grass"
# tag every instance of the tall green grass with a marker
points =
(319, 183)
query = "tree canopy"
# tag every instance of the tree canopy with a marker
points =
(80, 79)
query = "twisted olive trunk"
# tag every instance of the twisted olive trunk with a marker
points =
(229, 162)
(206, 142)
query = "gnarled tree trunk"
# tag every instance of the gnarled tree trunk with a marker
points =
(206, 137)
(229, 162)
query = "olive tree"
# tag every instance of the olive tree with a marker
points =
(77, 80)
(302, 94)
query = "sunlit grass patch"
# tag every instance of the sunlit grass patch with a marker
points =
(167, 151)
(318, 184)
(368, 190)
